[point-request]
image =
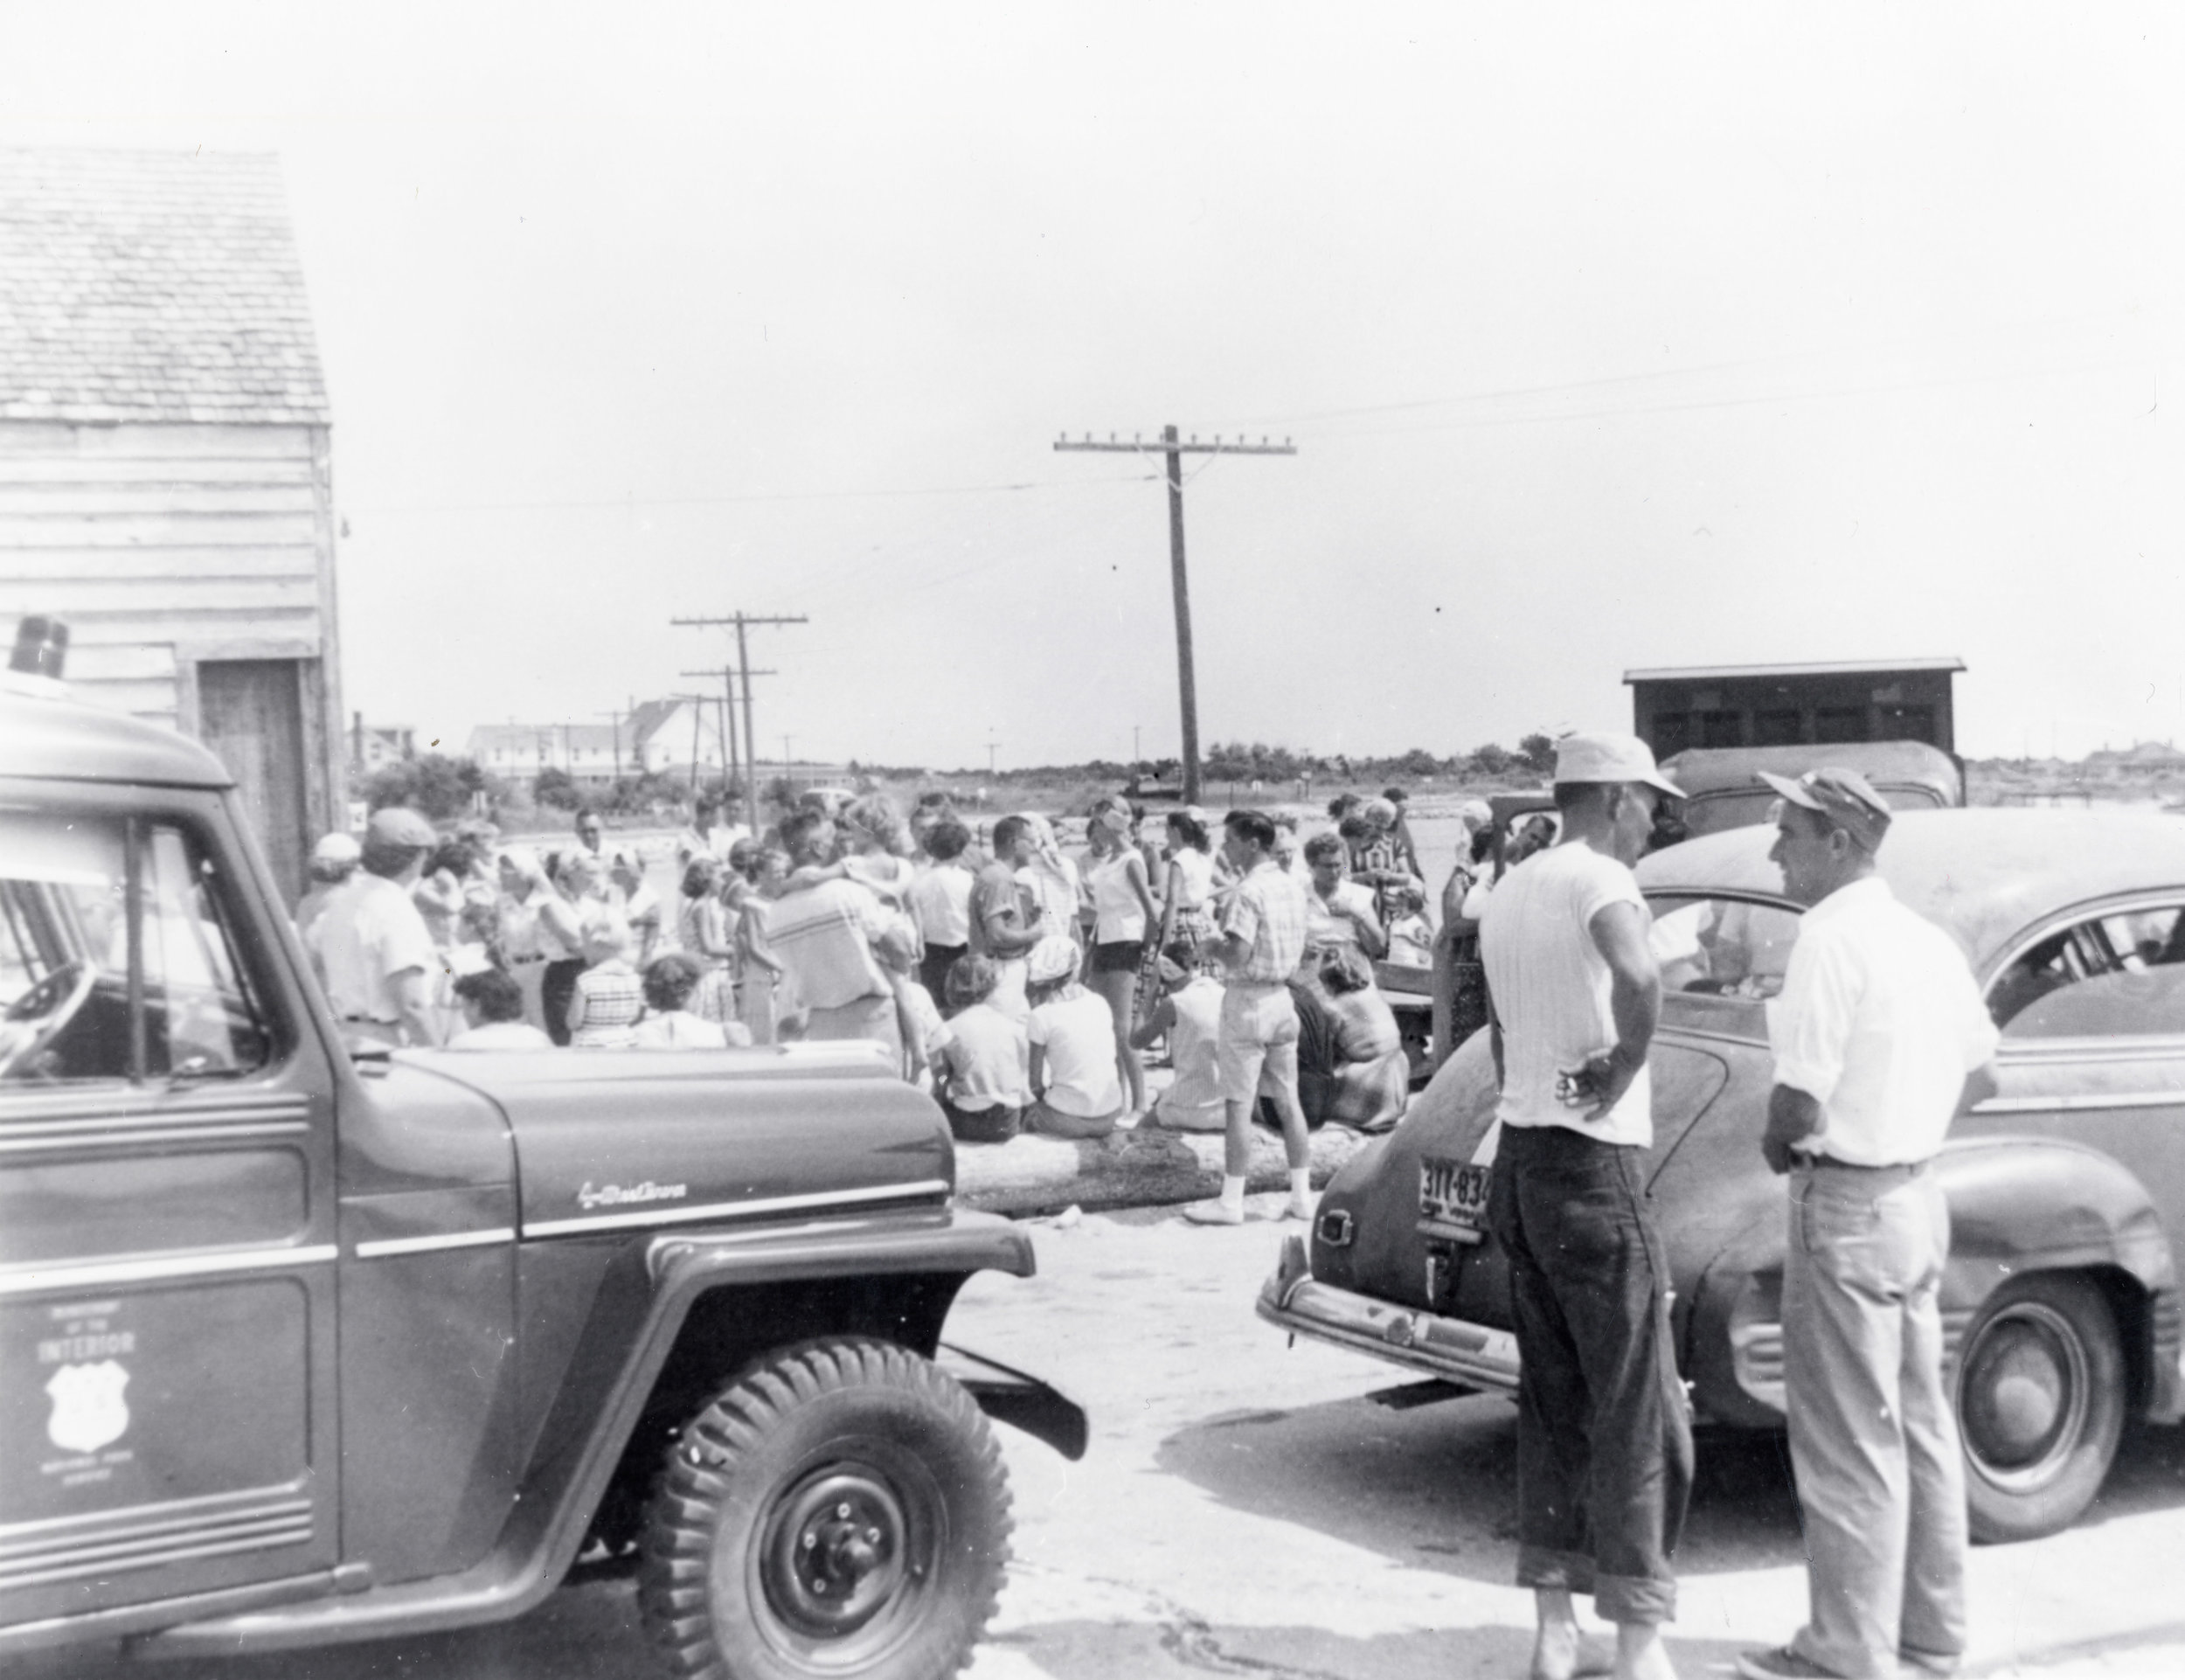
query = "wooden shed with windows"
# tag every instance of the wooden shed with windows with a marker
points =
(165, 470)
(1792, 705)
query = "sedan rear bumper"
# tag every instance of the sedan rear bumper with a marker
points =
(1472, 1356)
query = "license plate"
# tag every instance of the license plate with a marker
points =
(1452, 1199)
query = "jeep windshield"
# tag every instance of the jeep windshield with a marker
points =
(114, 963)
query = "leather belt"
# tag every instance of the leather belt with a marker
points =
(1908, 1169)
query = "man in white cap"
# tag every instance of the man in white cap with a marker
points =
(1880, 1041)
(372, 945)
(334, 860)
(1604, 1440)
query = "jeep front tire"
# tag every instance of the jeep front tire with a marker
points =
(839, 1510)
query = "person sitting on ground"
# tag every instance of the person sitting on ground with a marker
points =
(1411, 935)
(1189, 1013)
(940, 902)
(1361, 1076)
(609, 997)
(1075, 1092)
(982, 1070)
(492, 1002)
(671, 982)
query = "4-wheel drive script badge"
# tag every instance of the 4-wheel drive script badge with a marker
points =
(624, 1195)
(88, 1411)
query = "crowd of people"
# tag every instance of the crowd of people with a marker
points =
(1023, 980)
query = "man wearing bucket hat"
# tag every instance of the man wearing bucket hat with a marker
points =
(373, 948)
(1880, 1041)
(1604, 1443)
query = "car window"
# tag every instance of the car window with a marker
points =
(89, 991)
(1722, 947)
(2119, 976)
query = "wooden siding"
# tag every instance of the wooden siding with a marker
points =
(148, 539)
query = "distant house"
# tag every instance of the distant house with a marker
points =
(166, 483)
(592, 754)
(372, 748)
(677, 736)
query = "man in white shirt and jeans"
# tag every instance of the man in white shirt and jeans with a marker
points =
(1881, 1040)
(1604, 1438)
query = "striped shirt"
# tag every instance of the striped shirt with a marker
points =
(824, 935)
(614, 997)
(1267, 914)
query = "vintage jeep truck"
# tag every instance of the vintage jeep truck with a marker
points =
(301, 1345)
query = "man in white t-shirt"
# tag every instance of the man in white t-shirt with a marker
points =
(1880, 1039)
(1604, 1441)
(371, 947)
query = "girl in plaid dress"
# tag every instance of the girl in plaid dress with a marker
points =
(609, 997)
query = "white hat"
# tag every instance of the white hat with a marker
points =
(336, 847)
(1608, 757)
(1054, 958)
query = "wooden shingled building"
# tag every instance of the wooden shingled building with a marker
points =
(165, 473)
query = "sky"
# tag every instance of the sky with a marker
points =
(1608, 337)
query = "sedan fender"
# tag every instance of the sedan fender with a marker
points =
(2020, 1204)
(2017, 1204)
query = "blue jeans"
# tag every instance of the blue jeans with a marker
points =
(1603, 1435)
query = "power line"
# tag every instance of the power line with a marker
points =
(742, 621)
(1174, 450)
(629, 502)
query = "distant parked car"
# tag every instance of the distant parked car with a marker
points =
(2066, 1188)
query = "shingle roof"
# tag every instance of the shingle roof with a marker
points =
(152, 286)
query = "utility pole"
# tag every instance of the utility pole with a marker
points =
(615, 719)
(742, 621)
(1176, 449)
(728, 674)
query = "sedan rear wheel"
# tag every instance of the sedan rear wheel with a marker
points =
(2041, 1402)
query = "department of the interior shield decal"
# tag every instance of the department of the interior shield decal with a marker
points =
(88, 1411)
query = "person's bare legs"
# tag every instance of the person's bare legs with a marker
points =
(1639, 1653)
(1555, 1646)
(1119, 990)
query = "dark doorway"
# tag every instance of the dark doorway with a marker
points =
(250, 713)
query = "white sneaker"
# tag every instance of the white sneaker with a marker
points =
(1299, 1207)
(1214, 1212)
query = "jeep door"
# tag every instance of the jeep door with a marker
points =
(167, 1238)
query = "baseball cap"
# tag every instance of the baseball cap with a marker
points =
(1053, 958)
(399, 826)
(1609, 757)
(1845, 797)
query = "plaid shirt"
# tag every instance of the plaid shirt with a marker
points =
(1267, 913)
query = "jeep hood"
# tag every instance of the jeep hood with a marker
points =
(620, 1140)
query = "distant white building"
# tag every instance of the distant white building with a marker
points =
(592, 754)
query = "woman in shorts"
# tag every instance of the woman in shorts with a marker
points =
(1124, 919)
